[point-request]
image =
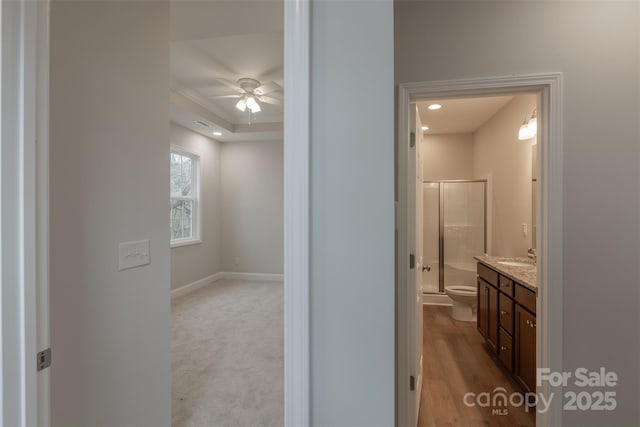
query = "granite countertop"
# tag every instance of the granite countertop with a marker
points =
(525, 275)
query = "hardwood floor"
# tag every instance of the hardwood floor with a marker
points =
(456, 362)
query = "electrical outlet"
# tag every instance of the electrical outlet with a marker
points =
(525, 229)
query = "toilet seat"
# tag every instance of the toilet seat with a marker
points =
(462, 290)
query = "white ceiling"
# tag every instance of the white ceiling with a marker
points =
(230, 40)
(460, 115)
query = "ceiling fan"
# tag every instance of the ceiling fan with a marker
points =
(250, 92)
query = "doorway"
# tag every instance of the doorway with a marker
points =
(549, 219)
(227, 212)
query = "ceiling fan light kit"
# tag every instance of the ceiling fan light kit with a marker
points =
(251, 93)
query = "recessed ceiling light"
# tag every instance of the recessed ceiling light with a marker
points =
(217, 133)
(434, 107)
(425, 127)
(201, 123)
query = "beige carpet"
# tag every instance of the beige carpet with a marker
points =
(227, 356)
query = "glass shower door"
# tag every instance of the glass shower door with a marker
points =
(463, 230)
(431, 236)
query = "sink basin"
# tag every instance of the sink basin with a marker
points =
(515, 264)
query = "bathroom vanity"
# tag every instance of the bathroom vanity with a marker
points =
(506, 315)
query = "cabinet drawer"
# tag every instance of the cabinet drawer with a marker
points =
(506, 313)
(488, 274)
(505, 352)
(506, 285)
(526, 298)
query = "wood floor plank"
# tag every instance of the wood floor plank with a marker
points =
(456, 361)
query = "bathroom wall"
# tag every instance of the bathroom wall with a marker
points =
(499, 156)
(447, 156)
(194, 262)
(253, 207)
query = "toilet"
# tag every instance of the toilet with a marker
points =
(465, 302)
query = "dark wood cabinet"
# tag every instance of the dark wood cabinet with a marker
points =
(482, 315)
(506, 350)
(507, 321)
(487, 314)
(525, 357)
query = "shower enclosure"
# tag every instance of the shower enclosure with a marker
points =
(454, 231)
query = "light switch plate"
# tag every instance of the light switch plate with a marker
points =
(133, 254)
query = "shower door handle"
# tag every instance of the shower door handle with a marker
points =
(426, 268)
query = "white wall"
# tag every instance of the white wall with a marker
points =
(506, 161)
(194, 262)
(109, 184)
(352, 214)
(253, 207)
(447, 156)
(596, 47)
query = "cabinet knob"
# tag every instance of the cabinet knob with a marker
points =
(528, 322)
(503, 348)
(533, 324)
(502, 312)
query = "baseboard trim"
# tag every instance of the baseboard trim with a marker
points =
(436, 299)
(258, 277)
(194, 286)
(209, 280)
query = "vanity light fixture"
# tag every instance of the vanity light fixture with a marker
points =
(425, 127)
(434, 107)
(217, 133)
(529, 128)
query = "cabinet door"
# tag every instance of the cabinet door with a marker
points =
(481, 317)
(525, 337)
(493, 314)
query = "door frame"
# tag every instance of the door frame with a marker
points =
(297, 406)
(24, 308)
(24, 301)
(549, 214)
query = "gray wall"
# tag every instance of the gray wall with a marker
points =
(596, 46)
(194, 262)
(499, 156)
(109, 175)
(253, 207)
(352, 214)
(447, 156)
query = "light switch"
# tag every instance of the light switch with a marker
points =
(525, 229)
(133, 254)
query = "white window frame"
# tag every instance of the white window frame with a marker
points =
(197, 223)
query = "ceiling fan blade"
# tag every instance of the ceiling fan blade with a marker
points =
(270, 100)
(229, 83)
(267, 88)
(225, 96)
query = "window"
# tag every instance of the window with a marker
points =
(185, 197)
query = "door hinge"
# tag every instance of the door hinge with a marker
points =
(412, 261)
(412, 140)
(412, 383)
(43, 359)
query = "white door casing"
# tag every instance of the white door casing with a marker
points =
(24, 396)
(549, 215)
(419, 252)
